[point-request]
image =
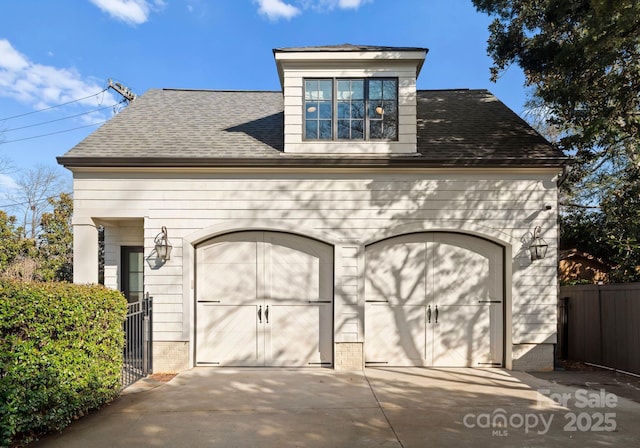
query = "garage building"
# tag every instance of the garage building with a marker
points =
(348, 220)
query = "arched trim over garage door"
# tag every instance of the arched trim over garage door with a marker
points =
(434, 299)
(263, 299)
(260, 225)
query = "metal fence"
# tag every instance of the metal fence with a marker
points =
(600, 324)
(138, 344)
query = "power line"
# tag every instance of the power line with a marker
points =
(51, 133)
(60, 119)
(53, 107)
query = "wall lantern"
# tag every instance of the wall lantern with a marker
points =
(538, 246)
(163, 246)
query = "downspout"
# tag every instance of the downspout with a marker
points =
(565, 173)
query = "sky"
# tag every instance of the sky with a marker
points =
(56, 57)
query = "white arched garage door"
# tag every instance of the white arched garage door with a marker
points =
(264, 299)
(434, 299)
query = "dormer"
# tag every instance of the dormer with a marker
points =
(349, 99)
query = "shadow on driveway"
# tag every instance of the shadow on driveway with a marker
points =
(387, 407)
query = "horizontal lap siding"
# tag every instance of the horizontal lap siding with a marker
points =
(454, 208)
(452, 192)
(354, 207)
(129, 233)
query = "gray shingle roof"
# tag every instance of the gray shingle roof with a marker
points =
(246, 128)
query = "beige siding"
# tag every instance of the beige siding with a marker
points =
(348, 313)
(118, 234)
(350, 210)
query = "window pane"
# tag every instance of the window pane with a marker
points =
(357, 109)
(375, 129)
(376, 110)
(325, 109)
(135, 282)
(357, 129)
(325, 87)
(343, 109)
(311, 110)
(325, 130)
(135, 261)
(389, 131)
(375, 90)
(390, 111)
(344, 131)
(310, 89)
(311, 130)
(344, 90)
(357, 87)
(390, 89)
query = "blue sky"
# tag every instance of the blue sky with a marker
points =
(53, 52)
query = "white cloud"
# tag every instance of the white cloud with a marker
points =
(10, 58)
(350, 4)
(7, 182)
(133, 12)
(329, 5)
(277, 9)
(41, 85)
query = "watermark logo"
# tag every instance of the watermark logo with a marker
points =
(592, 413)
(500, 422)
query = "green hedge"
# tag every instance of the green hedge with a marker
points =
(60, 355)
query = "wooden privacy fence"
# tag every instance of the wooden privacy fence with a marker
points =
(600, 324)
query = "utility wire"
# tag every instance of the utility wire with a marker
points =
(60, 119)
(53, 107)
(52, 133)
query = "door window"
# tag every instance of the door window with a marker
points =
(132, 272)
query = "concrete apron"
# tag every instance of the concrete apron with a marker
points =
(387, 407)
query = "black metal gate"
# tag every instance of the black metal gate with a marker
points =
(138, 344)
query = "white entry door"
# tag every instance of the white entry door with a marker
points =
(434, 299)
(264, 299)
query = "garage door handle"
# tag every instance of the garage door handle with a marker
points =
(266, 314)
(436, 313)
(260, 314)
(429, 314)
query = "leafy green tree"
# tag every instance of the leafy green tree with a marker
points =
(622, 224)
(12, 245)
(581, 59)
(585, 222)
(55, 241)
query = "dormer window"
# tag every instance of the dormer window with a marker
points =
(351, 109)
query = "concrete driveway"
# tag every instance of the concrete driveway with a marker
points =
(381, 407)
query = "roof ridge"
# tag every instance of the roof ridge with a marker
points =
(177, 89)
(459, 89)
(345, 47)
